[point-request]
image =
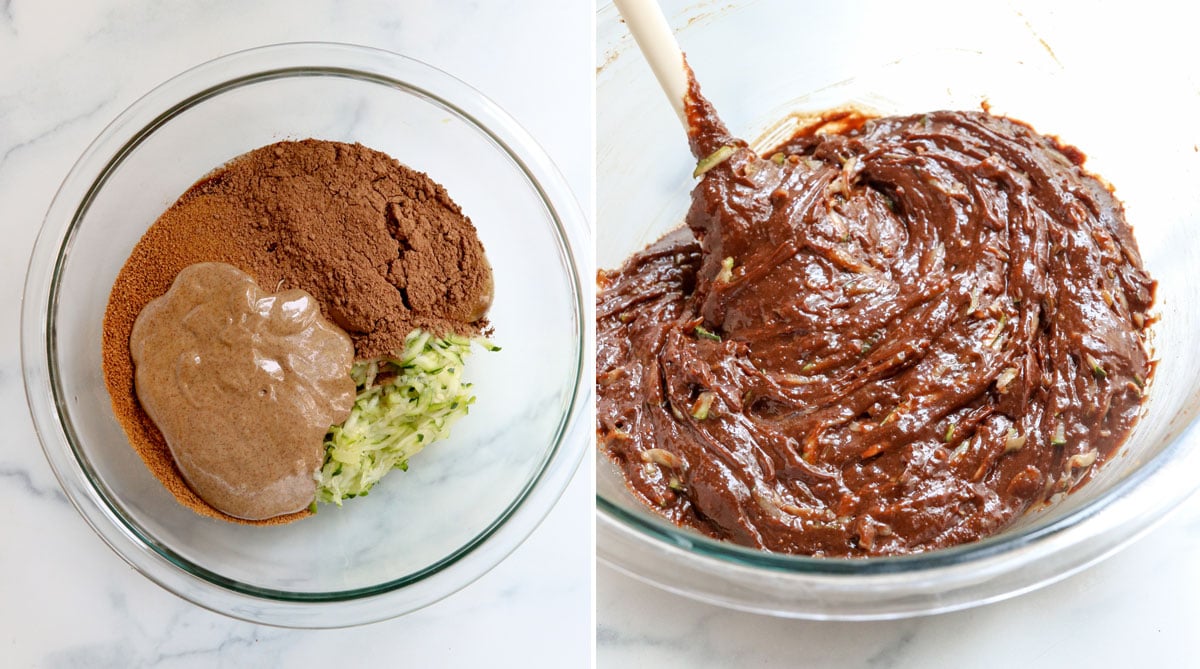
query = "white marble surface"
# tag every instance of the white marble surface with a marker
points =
(66, 69)
(1140, 608)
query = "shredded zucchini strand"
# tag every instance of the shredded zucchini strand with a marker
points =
(420, 395)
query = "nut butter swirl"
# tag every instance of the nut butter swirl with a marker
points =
(244, 385)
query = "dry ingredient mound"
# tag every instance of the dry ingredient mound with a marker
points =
(381, 247)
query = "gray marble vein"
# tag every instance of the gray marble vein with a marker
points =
(52, 130)
(166, 653)
(11, 475)
(892, 654)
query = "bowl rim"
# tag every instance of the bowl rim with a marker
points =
(56, 433)
(1129, 498)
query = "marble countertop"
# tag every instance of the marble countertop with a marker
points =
(66, 69)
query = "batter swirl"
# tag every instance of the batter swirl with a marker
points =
(884, 339)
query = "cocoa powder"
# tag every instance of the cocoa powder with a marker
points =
(381, 247)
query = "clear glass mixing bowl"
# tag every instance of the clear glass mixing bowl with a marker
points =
(465, 503)
(763, 62)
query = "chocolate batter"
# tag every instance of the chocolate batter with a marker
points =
(884, 339)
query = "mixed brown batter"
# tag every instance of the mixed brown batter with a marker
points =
(885, 336)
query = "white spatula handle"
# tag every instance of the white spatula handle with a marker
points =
(657, 43)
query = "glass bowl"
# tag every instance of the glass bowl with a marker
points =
(465, 503)
(761, 76)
